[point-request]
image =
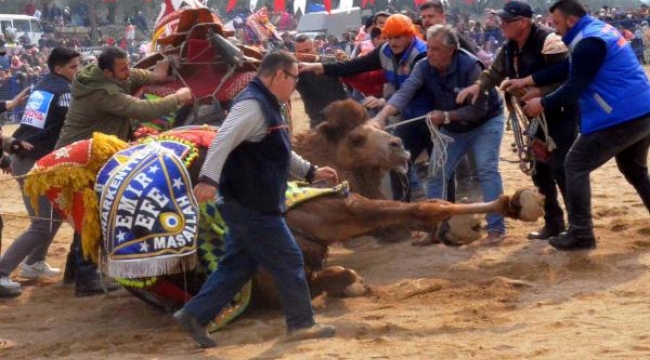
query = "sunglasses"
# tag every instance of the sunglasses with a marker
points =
(512, 20)
(295, 77)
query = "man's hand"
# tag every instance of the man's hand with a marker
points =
(534, 107)
(204, 192)
(327, 174)
(471, 92)
(436, 117)
(531, 92)
(18, 100)
(378, 123)
(373, 102)
(514, 86)
(185, 95)
(315, 68)
(16, 145)
(161, 71)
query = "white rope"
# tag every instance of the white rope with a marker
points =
(405, 122)
(439, 154)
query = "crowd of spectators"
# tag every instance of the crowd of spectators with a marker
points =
(22, 63)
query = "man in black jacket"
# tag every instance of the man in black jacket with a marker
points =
(531, 49)
(40, 126)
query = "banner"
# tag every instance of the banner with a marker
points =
(149, 216)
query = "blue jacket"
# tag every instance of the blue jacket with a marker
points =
(255, 173)
(465, 68)
(620, 91)
(397, 70)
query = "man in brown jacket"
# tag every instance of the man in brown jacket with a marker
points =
(101, 100)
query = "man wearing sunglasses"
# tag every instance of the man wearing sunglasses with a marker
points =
(530, 50)
(252, 151)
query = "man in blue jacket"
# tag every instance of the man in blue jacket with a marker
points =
(614, 93)
(476, 128)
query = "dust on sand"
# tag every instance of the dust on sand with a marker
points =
(520, 300)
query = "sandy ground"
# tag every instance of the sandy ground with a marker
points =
(521, 300)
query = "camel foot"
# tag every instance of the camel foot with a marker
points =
(334, 280)
(525, 205)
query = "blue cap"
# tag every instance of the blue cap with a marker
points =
(514, 9)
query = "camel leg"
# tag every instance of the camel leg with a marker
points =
(496, 206)
(332, 219)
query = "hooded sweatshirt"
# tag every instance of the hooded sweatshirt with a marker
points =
(105, 105)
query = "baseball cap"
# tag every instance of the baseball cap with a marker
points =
(514, 9)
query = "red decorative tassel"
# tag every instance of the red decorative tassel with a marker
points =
(328, 5)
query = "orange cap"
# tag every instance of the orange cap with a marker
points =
(398, 25)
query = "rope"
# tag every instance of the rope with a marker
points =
(412, 120)
(439, 154)
(519, 121)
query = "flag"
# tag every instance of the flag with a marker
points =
(231, 5)
(299, 5)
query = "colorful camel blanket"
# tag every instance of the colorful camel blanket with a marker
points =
(299, 192)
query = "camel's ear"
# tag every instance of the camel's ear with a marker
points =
(331, 133)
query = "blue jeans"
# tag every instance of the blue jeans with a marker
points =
(628, 143)
(484, 142)
(255, 239)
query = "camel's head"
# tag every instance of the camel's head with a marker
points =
(357, 143)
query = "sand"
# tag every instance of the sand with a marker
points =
(520, 300)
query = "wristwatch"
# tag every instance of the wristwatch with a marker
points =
(445, 116)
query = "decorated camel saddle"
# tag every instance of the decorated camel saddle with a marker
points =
(204, 57)
(133, 205)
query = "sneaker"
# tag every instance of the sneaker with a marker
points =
(9, 293)
(317, 331)
(37, 269)
(7, 283)
(197, 332)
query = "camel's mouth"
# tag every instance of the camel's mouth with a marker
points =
(402, 162)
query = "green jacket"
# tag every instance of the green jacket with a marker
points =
(105, 105)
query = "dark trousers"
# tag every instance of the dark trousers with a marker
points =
(416, 138)
(628, 143)
(85, 270)
(549, 177)
(255, 239)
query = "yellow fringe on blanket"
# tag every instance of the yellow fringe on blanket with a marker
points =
(73, 178)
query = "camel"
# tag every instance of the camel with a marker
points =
(361, 152)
